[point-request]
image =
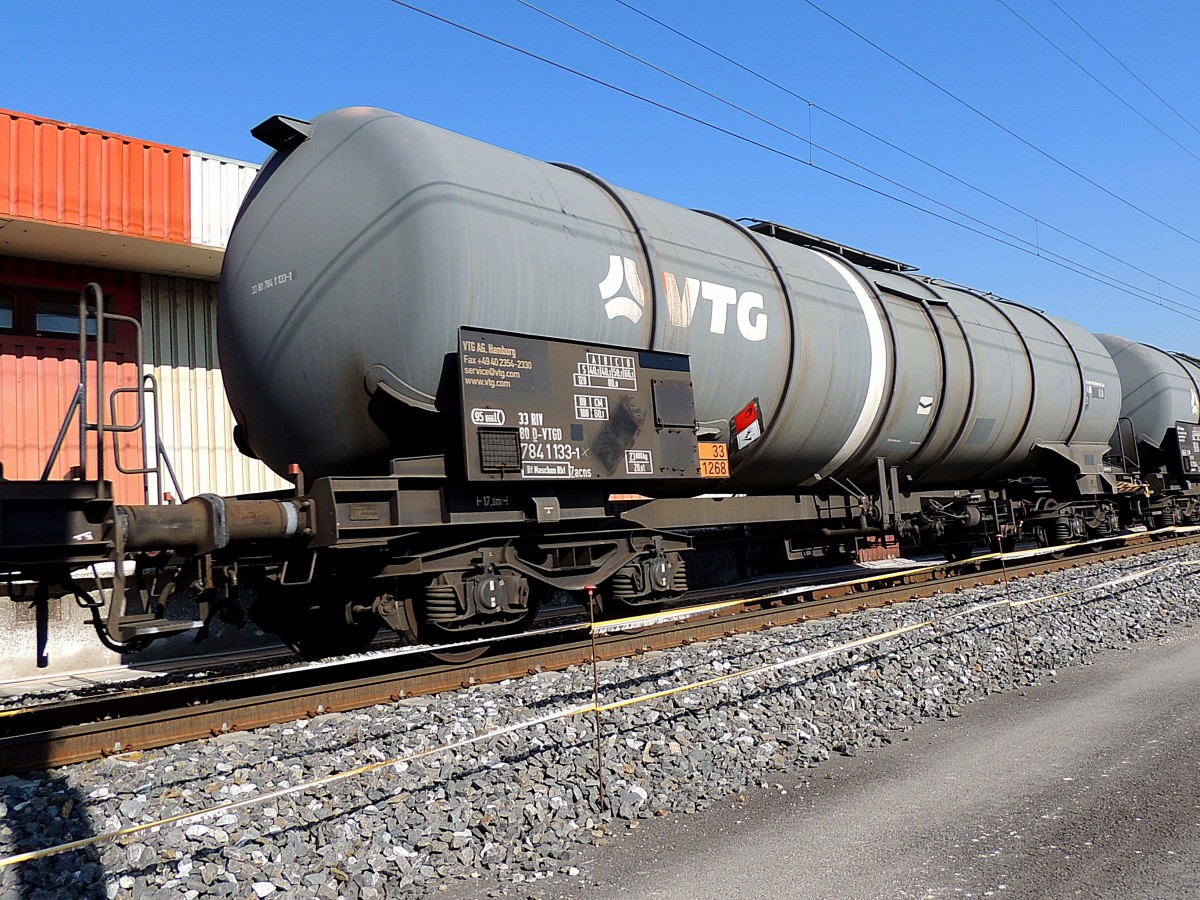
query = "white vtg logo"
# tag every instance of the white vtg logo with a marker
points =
(681, 305)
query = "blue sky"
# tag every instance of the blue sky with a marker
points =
(201, 75)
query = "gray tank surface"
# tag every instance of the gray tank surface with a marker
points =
(1159, 388)
(369, 239)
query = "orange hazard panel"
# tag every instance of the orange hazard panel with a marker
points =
(714, 459)
(55, 172)
(39, 370)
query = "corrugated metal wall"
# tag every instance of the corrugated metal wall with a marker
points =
(218, 186)
(83, 205)
(55, 172)
(40, 372)
(37, 385)
(155, 195)
(179, 318)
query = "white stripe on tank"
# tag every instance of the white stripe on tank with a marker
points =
(877, 380)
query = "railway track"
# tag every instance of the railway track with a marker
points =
(55, 734)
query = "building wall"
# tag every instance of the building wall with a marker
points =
(86, 178)
(149, 223)
(218, 186)
(179, 319)
(74, 198)
(39, 372)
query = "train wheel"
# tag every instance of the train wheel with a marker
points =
(956, 552)
(460, 656)
(620, 597)
(1055, 534)
(1156, 524)
(327, 633)
(418, 632)
(312, 620)
(1004, 544)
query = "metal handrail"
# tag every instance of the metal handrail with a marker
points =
(146, 389)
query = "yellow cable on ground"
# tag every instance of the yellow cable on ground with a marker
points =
(590, 708)
(199, 815)
(766, 667)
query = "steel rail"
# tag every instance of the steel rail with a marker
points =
(57, 734)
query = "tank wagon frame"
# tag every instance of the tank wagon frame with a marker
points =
(491, 379)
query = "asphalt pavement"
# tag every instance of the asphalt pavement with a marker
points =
(1087, 785)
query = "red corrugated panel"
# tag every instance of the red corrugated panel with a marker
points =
(126, 286)
(37, 384)
(23, 135)
(55, 172)
(38, 376)
(70, 202)
(136, 193)
(115, 185)
(45, 170)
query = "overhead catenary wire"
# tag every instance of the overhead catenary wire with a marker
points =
(1022, 246)
(1132, 73)
(1090, 74)
(1072, 265)
(771, 124)
(1037, 220)
(1000, 125)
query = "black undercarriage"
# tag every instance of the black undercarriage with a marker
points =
(422, 554)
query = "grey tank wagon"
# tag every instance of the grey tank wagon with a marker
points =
(492, 378)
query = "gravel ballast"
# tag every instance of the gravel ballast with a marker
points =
(512, 809)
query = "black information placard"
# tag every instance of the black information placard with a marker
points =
(542, 409)
(1188, 435)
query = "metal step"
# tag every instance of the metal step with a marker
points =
(130, 627)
